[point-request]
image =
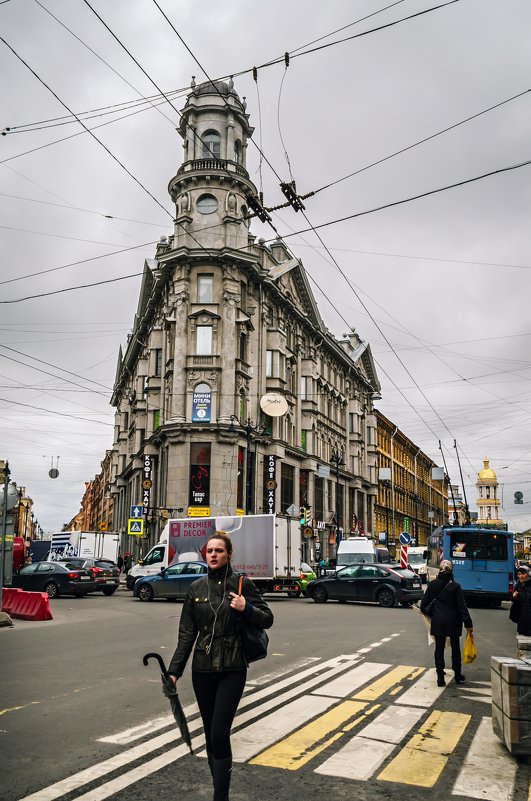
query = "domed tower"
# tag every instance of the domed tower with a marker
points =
(488, 502)
(210, 187)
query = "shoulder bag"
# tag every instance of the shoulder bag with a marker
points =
(254, 639)
(428, 610)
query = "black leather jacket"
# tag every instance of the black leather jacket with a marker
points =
(200, 624)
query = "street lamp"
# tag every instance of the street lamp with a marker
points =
(385, 478)
(251, 431)
(337, 459)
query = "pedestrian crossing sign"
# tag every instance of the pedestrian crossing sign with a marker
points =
(135, 528)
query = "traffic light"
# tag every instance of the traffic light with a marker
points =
(304, 515)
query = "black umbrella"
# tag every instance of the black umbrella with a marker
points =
(170, 691)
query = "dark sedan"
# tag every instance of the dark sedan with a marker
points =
(171, 582)
(55, 579)
(388, 585)
(104, 572)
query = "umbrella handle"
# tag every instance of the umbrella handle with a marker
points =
(159, 659)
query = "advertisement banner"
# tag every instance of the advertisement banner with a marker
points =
(253, 538)
(201, 405)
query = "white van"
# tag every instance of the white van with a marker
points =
(417, 558)
(355, 549)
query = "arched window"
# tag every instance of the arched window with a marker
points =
(238, 151)
(211, 145)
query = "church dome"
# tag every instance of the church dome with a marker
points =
(487, 473)
(215, 88)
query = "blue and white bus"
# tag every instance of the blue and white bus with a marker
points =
(482, 558)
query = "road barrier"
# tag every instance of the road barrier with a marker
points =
(26, 605)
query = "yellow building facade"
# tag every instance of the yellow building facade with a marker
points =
(487, 502)
(409, 497)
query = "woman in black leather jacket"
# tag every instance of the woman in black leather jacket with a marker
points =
(210, 619)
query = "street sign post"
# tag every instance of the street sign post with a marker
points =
(405, 539)
(137, 511)
(135, 528)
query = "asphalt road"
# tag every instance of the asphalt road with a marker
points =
(69, 682)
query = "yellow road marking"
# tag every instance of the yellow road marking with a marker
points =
(16, 708)
(298, 748)
(423, 759)
(380, 686)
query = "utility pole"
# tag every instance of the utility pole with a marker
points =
(337, 459)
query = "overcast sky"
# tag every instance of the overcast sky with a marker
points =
(440, 286)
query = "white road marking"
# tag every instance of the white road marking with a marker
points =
(424, 691)
(136, 732)
(267, 677)
(364, 753)
(350, 681)
(77, 780)
(475, 698)
(488, 771)
(478, 690)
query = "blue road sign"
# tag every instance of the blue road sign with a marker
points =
(136, 512)
(405, 538)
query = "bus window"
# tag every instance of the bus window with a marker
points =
(496, 548)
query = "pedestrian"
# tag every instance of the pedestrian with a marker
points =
(321, 567)
(520, 612)
(127, 562)
(120, 562)
(448, 613)
(210, 618)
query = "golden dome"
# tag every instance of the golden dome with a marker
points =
(487, 472)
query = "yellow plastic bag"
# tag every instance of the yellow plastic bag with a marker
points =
(469, 648)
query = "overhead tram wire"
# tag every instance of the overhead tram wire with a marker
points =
(184, 90)
(56, 367)
(422, 141)
(78, 208)
(293, 233)
(107, 150)
(51, 411)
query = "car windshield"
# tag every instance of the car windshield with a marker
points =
(403, 571)
(72, 565)
(415, 559)
(305, 567)
(355, 558)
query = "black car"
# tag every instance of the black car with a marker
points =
(388, 585)
(54, 578)
(105, 573)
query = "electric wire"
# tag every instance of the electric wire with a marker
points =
(60, 414)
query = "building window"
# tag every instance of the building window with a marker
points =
(303, 440)
(318, 497)
(199, 488)
(207, 204)
(238, 151)
(156, 419)
(203, 340)
(269, 363)
(330, 502)
(304, 387)
(158, 361)
(205, 288)
(243, 347)
(211, 145)
(287, 486)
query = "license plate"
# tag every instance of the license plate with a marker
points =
(111, 581)
(85, 578)
(416, 583)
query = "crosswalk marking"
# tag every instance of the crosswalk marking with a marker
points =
(350, 681)
(486, 773)
(297, 749)
(365, 752)
(424, 692)
(423, 759)
(377, 688)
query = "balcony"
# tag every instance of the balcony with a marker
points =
(212, 165)
(195, 361)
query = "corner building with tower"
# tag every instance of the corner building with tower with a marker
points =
(231, 394)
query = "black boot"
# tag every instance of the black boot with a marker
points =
(440, 679)
(459, 678)
(210, 763)
(221, 771)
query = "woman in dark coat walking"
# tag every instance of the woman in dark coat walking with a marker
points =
(521, 607)
(447, 613)
(210, 619)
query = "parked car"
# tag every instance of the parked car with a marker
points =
(56, 579)
(105, 573)
(388, 585)
(172, 582)
(306, 575)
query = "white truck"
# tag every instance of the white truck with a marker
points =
(417, 558)
(88, 544)
(355, 549)
(267, 548)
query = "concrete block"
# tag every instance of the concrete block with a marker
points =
(515, 734)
